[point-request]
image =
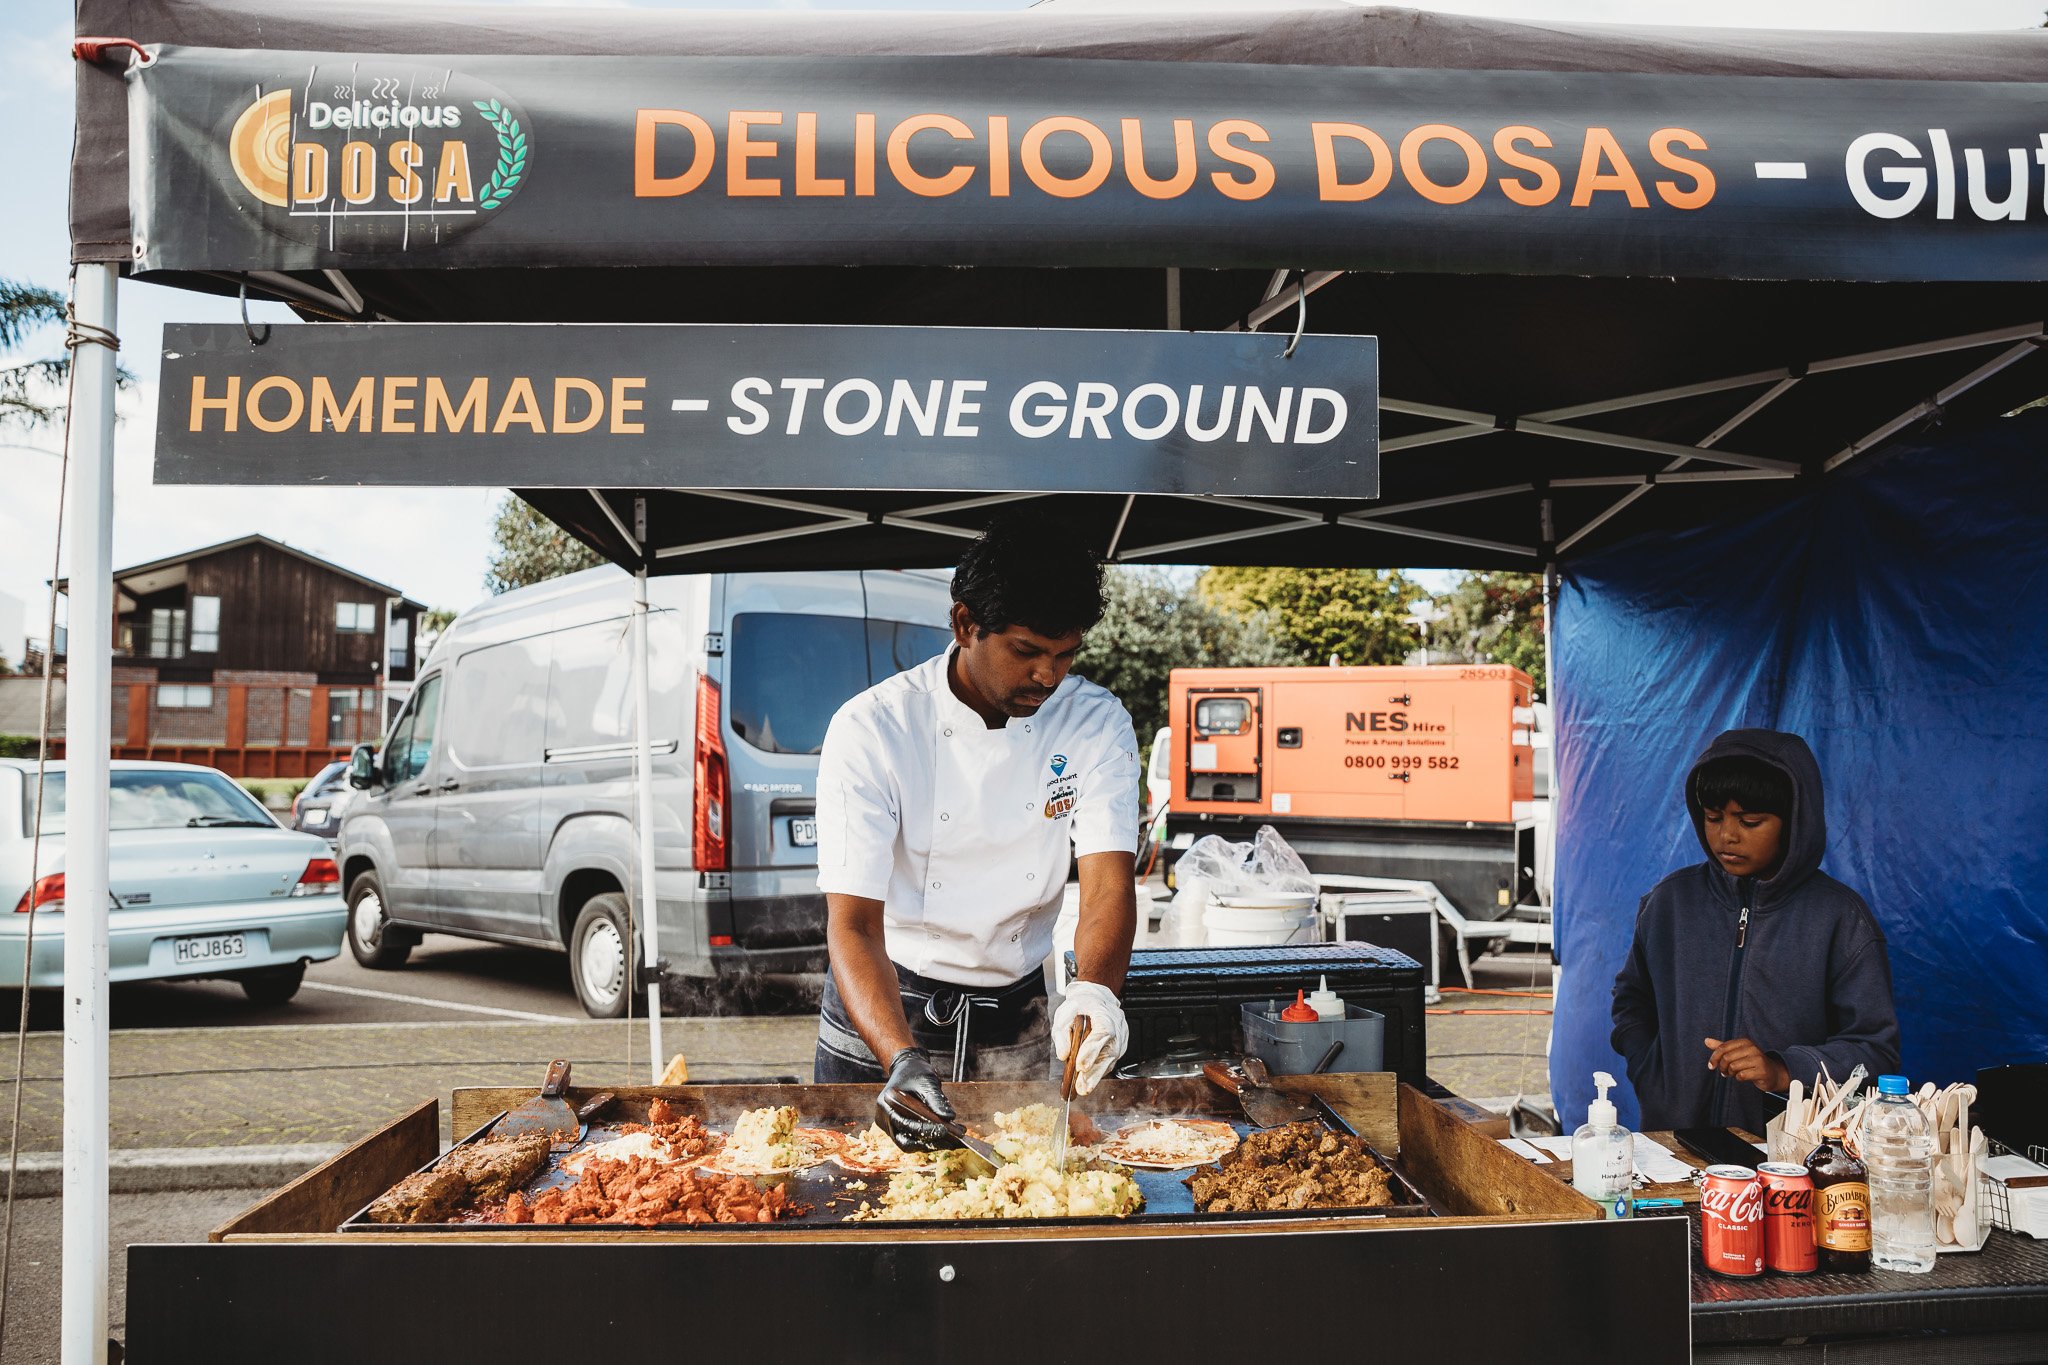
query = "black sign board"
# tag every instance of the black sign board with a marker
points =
(765, 407)
(305, 160)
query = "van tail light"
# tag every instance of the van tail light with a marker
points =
(47, 894)
(321, 878)
(713, 792)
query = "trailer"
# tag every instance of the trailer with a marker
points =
(1423, 774)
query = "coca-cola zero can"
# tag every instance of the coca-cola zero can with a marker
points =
(1732, 1222)
(1788, 1218)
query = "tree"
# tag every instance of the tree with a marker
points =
(28, 388)
(1151, 626)
(1359, 615)
(531, 548)
(32, 391)
(1496, 618)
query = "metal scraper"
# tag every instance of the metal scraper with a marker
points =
(546, 1113)
(1263, 1106)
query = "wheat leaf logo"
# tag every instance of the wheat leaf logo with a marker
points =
(511, 167)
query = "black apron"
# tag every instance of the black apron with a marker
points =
(973, 1033)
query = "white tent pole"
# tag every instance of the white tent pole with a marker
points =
(643, 794)
(88, 741)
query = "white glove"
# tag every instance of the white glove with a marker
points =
(1108, 1033)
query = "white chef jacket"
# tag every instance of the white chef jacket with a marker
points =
(962, 832)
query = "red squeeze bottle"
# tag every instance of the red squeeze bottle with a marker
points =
(1300, 1012)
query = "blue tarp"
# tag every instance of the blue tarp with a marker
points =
(1896, 615)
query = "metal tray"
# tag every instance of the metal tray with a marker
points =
(824, 1187)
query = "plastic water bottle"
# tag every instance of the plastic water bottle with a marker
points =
(1899, 1153)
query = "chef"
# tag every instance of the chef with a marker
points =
(949, 800)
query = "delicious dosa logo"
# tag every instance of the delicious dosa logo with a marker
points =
(375, 156)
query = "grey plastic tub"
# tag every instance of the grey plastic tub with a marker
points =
(1294, 1049)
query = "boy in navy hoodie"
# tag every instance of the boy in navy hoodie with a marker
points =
(1754, 968)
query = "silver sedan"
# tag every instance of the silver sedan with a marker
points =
(203, 882)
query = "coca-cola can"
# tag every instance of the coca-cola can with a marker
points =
(1788, 1218)
(1732, 1222)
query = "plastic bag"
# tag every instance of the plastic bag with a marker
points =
(1226, 868)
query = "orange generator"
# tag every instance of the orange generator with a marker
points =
(1426, 774)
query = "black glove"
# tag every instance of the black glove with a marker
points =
(910, 1073)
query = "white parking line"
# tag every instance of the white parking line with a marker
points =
(369, 994)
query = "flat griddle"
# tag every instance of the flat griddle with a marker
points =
(826, 1188)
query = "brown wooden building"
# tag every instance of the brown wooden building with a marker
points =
(256, 658)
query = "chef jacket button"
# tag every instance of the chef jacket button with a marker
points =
(937, 885)
(1014, 937)
(1030, 876)
(949, 732)
(944, 816)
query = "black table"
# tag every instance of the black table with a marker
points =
(1985, 1307)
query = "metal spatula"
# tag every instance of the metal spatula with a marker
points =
(1059, 1139)
(546, 1113)
(909, 1107)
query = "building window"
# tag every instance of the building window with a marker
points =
(351, 715)
(183, 697)
(398, 643)
(167, 633)
(205, 625)
(355, 618)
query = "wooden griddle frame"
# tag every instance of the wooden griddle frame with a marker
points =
(825, 1189)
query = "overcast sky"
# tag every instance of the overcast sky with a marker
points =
(433, 543)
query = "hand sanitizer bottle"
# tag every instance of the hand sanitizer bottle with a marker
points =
(1604, 1156)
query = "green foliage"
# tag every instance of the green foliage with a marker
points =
(28, 388)
(1152, 626)
(32, 391)
(17, 746)
(276, 793)
(1359, 615)
(1495, 618)
(531, 549)
(434, 620)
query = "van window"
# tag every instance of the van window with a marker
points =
(494, 704)
(590, 701)
(898, 646)
(412, 743)
(791, 671)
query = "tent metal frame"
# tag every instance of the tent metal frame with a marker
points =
(1460, 424)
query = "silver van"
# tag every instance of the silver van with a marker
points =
(500, 806)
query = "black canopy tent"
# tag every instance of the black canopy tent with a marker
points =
(1541, 373)
(1528, 409)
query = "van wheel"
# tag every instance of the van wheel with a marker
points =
(273, 985)
(601, 956)
(375, 941)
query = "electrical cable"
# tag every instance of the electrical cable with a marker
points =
(76, 334)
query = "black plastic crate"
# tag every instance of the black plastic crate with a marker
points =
(1198, 991)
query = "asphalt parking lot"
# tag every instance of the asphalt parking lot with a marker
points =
(445, 979)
